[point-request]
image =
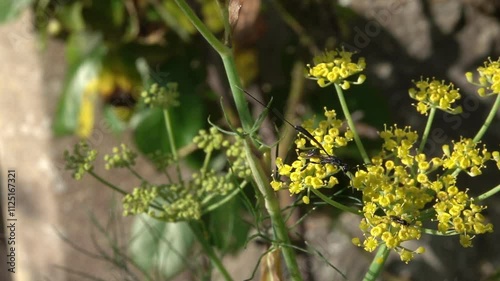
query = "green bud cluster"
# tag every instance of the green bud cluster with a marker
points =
(139, 200)
(121, 157)
(185, 208)
(165, 202)
(81, 161)
(209, 141)
(187, 200)
(236, 154)
(208, 184)
(162, 97)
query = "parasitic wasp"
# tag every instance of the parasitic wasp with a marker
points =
(326, 158)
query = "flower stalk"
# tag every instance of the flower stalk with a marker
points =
(427, 129)
(377, 264)
(350, 122)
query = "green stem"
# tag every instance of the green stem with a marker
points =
(173, 147)
(225, 199)
(136, 174)
(427, 129)
(238, 95)
(436, 232)
(200, 236)
(488, 193)
(377, 263)
(489, 118)
(348, 117)
(225, 19)
(201, 27)
(273, 208)
(228, 60)
(103, 181)
(335, 203)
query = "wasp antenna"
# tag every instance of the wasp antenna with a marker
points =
(273, 110)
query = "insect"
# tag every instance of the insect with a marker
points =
(399, 220)
(312, 153)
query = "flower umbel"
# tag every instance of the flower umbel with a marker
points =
(162, 97)
(435, 94)
(122, 157)
(309, 171)
(335, 67)
(82, 159)
(189, 200)
(489, 78)
(466, 156)
(400, 183)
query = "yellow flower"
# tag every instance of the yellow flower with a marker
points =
(466, 156)
(435, 94)
(308, 171)
(406, 255)
(356, 241)
(489, 78)
(370, 244)
(335, 67)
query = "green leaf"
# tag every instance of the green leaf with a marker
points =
(228, 231)
(10, 9)
(161, 246)
(80, 73)
(150, 134)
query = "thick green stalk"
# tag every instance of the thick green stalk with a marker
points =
(350, 122)
(228, 60)
(377, 263)
(201, 27)
(487, 122)
(238, 94)
(273, 208)
(427, 129)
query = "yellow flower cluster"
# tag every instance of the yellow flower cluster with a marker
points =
(456, 212)
(399, 141)
(398, 186)
(308, 171)
(435, 94)
(489, 78)
(335, 67)
(466, 156)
